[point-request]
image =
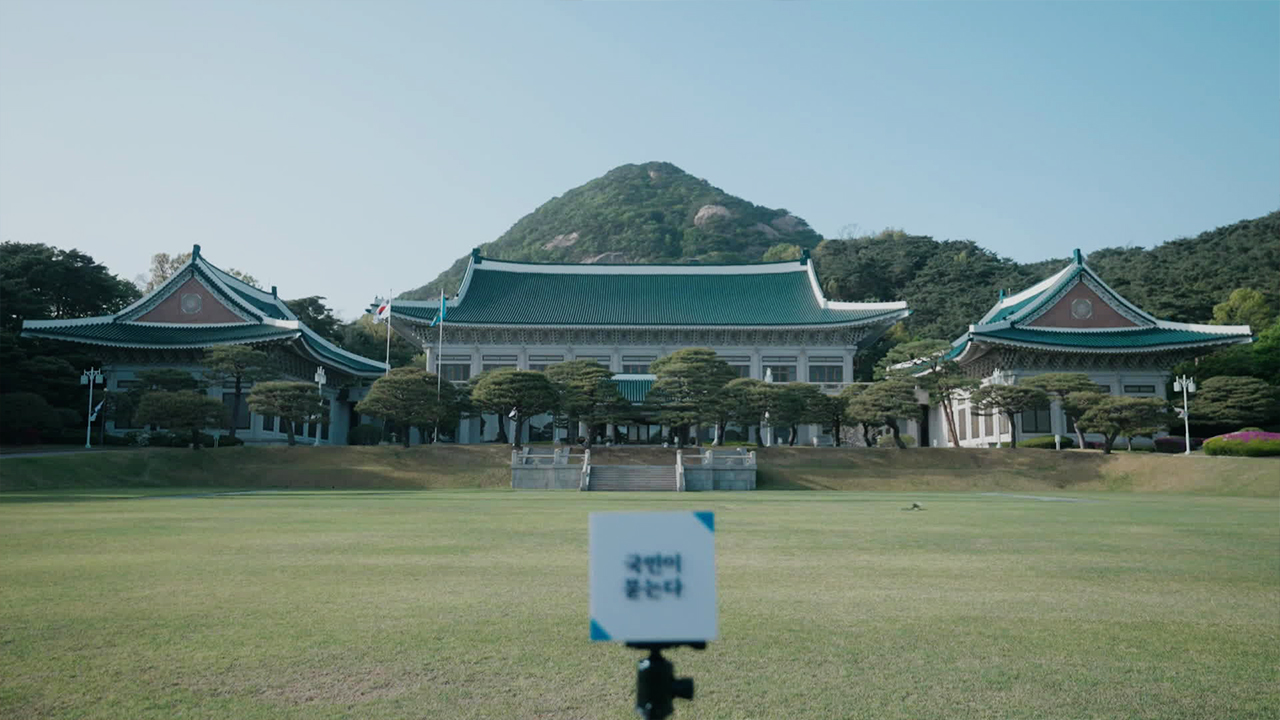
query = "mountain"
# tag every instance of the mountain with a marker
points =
(656, 212)
(649, 213)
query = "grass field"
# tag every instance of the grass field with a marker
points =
(473, 604)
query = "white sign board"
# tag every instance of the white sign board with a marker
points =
(653, 577)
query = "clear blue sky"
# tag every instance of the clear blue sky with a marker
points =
(348, 148)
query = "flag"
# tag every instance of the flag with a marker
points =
(440, 316)
(512, 414)
(94, 415)
(384, 310)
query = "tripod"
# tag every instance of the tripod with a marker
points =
(656, 684)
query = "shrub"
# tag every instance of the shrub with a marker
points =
(887, 441)
(1175, 444)
(367, 434)
(1045, 442)
(1248, 444)
(27, 418)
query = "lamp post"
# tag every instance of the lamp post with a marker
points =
(90, 377)
(1185, 384)
(319, 391)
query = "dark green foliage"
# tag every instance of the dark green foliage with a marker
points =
(688, 384)
(292, 402)
(514, 394)
(240, 364)
(313, 313)
(1061, 385)
(409, 398)
(1230, 401)
(1008, 400)
(184, 413)
(367, 338)
(1260, 359)
(1046, 442)
(885, 403)
(365, 434)
(744, 401)
(586, 395)
(645, 213)
(168, 380)
(41, 282)
(796, 403)
(27, 419)
(1113, 417)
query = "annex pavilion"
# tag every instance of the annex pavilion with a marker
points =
(764, 319)
(1069, 322)
(201, 306)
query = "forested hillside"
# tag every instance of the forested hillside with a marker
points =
(656, 212)
(647, 213)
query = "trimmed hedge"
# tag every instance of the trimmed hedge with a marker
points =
(887, 441)
(367, 434)
(1045, 442)
(1247, 443)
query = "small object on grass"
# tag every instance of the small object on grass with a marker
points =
(914, 506)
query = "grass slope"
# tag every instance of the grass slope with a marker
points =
(454, 604)
(780, 468)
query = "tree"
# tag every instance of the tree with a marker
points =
(1008, 400)
(1245, 306)
(745, 401)
(1063, 384)
(168, 380)
(313, 313)
(241, 364)
(925, 362)
(868, 423)
(407, 397)
(1234, 402)
(39, 282)
(181, 411)
(884, 403)
(585, 392)
(783, 251)
(1129, 416)
(164, 265)
(364, 336)
(832, 410)
(687, 384)
(293, 402)
(796, 403)
(27, 418)
(523, 392)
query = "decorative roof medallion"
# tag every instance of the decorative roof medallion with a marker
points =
(1081, 309)
(191, 303)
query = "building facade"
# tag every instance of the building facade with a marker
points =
(763, 319)
(201, 306)
(1071, 321)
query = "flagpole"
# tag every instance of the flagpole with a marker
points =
(439, 365)
(388, 333)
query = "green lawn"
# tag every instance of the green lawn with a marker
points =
(473, 604)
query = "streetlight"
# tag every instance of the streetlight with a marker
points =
(320, 392)
(1185, 384)
(90, 377)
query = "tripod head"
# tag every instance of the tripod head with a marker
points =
(656, 683)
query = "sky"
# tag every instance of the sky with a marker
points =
(351, 149)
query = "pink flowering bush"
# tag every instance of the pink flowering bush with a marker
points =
(1251, 443)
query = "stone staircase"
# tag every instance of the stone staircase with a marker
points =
(632, 477)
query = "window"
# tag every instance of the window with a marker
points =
(1037, 420)
(542, 362)
(456, 372)
(1139, 388)
(973, 424)
(605, 360)
(962, 428)
(229, 402)
(988, 426)
(782, 373)
(743, 371)
(741, 364)
(1004, 424)
(826, 373)
(497, 362)
(268, 423)
(324, 414)
(635, 369)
